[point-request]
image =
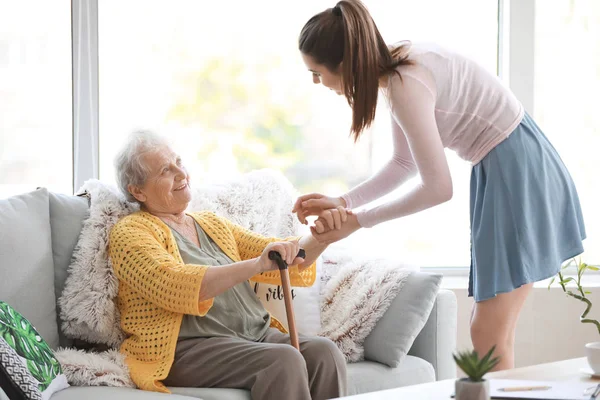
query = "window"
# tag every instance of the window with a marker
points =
(567, 94)
(226, 82)
(35, 96)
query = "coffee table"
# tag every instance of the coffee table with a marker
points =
(568, 370)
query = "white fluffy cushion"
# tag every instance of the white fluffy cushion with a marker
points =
(94, 369)
(355, 293)
(87, 304)
(261, 201)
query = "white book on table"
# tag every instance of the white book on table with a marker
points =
(564, 390)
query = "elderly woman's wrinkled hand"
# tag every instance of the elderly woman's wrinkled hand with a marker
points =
(332, 218)
(323, 231)
(288, 250)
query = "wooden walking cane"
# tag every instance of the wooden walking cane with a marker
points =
(287, 294)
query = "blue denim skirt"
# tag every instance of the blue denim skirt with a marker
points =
(526, 218)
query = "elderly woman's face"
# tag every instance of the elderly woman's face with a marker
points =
(167, 187)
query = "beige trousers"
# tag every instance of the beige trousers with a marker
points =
(270, 369)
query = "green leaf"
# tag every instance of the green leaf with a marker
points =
(487, 357)
(551, 282)
(587, 292)
(567, 265)
(567, 280)
(25, 340)
(591, 267)
(581, 269)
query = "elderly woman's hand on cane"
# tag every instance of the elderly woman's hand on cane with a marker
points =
(287, 293)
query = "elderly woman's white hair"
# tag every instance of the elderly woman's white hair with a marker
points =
(130, 169)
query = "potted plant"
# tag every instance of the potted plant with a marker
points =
(474, 387)
(592, 349)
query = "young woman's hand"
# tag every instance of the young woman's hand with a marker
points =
(288, 251)
(333, 235)
(314, 204)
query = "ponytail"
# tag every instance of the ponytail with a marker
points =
(346, 36)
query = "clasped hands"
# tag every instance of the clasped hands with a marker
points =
(334, 222)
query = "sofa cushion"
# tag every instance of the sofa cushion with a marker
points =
(113, 393)
(394, 334)
(212, 393)
(32, 352)
(67, 214)
(363, 377)
(437, 340)
(26, 265)
(368, 376)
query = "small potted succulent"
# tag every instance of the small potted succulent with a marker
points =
(474, 387)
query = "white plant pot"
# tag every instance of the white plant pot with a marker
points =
(592, 352)
(466, 389)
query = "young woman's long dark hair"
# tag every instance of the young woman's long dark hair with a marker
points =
(346, 34)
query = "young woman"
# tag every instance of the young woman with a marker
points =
(525, 213)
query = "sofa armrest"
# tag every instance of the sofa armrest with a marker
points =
(437, 340)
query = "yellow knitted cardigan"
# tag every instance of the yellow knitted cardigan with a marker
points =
(156, 288)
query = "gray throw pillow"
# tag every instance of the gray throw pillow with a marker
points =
(26, 264)
(391, 339)
(67, 214)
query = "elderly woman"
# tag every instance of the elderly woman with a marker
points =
(191, 316)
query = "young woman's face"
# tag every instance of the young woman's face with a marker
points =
(322, 75)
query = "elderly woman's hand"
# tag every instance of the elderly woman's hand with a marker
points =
(331, 219)
(326, 236)
(288, 251)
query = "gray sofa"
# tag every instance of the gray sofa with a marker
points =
(36, 245)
